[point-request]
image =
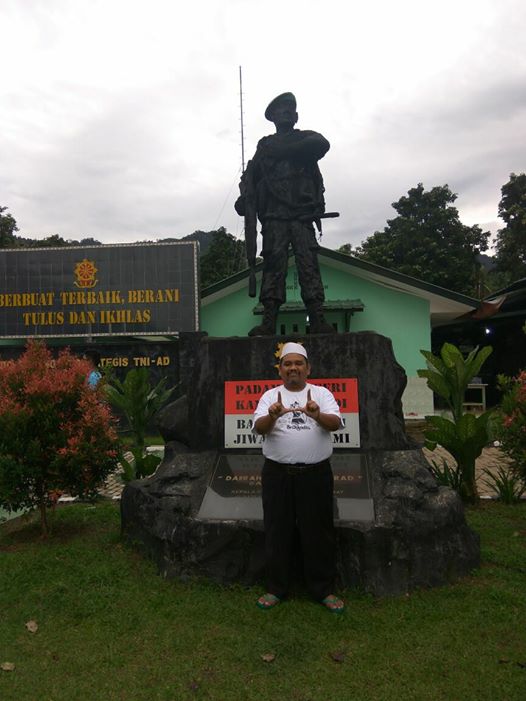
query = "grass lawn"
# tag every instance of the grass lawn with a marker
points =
(110, 629)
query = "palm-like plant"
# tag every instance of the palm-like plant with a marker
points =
(465, 436)
(139, 402)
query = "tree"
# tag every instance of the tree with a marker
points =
(225, 256)
(52, 241)
(56, 433)
(7, 229)
(347, 249)
(511, 240)
(428, 241)
(8, 239)
(85, 242)
(511, 427)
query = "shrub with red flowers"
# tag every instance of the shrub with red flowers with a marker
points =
(511, 430)
(57, 434)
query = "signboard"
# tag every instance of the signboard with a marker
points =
(234, 490)
(158, 355)
(241, 399)
(132, 289)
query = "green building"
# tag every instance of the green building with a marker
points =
(359, 296)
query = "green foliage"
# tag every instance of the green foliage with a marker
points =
(347, 249)
(56, 433)
(137, 399)
(446, 475)
(428, 241)
(506, 483)
(225, 256)
(52, 241)
(511, 425)
(464, 440)
(495, 280)
(139, 402)
(466, 435)
(449, 374)
(7, 229)
(141, 464)
(511, 240)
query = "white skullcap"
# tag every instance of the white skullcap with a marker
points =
(293, 348)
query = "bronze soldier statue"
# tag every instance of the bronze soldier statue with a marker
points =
(282, 187)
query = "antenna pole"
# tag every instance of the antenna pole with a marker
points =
(242, 125)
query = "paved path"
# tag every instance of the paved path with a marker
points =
(112, 487)
(490, 459)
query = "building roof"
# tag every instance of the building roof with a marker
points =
(333, 305)
(445, 305)
(510, 301)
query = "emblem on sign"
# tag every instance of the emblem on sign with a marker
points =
(85, 274)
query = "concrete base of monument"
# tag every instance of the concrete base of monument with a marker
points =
(397, 530)
(200, 514)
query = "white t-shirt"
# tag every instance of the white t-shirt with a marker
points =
(295, 437)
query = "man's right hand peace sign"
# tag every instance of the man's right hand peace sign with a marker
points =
(277, 409)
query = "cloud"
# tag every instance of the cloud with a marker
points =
(122, 122)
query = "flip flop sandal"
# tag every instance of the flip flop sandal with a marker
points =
(267, 601)
(333, 604)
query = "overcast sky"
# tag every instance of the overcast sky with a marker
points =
(120, 120)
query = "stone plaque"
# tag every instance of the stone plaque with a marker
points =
(234, 490)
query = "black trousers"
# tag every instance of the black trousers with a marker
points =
(299, 499)
(277, 236)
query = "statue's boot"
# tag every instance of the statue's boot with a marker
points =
(268, 325)
(317, 321)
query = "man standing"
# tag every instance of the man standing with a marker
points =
(282, 186)
(296, 420)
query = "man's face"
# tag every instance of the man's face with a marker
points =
(294, 370)
(284, 114)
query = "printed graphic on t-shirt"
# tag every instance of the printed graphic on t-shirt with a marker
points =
(297, 420)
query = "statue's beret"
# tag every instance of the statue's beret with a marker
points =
(280, 98)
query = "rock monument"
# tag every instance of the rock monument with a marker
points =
(200, 514)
